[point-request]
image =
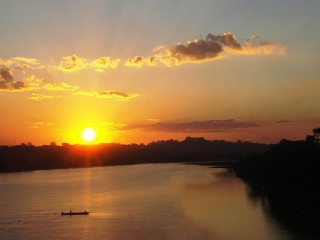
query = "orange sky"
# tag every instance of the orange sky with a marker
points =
(159, 74)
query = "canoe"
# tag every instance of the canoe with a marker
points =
(75, 213)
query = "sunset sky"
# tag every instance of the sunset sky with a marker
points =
(138, 71)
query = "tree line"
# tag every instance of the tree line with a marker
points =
(27, 157)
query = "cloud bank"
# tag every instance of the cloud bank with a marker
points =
(21, 63)
(210, 48)
(10, 84)
(193, 127)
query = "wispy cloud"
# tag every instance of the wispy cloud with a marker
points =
(10, 84)
(120, 96)
(112, 126)
(51, 86)
(40, 96)
(75, 63)
(21, 63)
(193, 127)
(42, 124)
(284, 121)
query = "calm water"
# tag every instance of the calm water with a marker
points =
(151, 201)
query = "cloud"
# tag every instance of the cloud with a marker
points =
(213, 47)
(193, 127)
(39, 96)
(75, 63)
(120, 96)
(42, 124)
(112, 126)
(210, 48)
(56, 87)
(104, 62)
(204, 49)
(153, 119)
(6, 75)
(7, 82)
(21, 63)
(139, 61)
(283, 121)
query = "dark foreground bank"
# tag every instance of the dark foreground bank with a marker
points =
(289, 176)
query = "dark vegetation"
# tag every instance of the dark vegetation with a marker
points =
(286, 176)
(289, 176)
(28, 157)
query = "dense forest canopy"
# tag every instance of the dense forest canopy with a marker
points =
(28, 157)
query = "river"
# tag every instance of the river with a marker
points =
(149, 201)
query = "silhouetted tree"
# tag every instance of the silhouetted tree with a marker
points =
(315, 137)
(316, 134)
(310, 139)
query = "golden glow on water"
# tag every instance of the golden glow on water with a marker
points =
(150, 201)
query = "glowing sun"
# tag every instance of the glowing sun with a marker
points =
(88, 134)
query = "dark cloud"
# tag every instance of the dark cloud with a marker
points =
(196, 50)
(283, 121)
(193, 127)
(209, 48)
(110, 93)
(6, 75)
(226, 39)
(7, 82)
(213, 47)
(19, 85)
(138, 61)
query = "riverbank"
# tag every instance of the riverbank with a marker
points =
(289, 176)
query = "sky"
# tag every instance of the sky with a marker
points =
(140, 71)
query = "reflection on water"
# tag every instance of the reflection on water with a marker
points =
(151, 201)
(301, 226)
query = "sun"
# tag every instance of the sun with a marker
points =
(88, 134)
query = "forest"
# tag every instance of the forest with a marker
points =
(288, 175)
(27, 157)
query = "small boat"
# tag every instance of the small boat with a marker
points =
(75, 213)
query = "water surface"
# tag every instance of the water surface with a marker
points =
(150, 201)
